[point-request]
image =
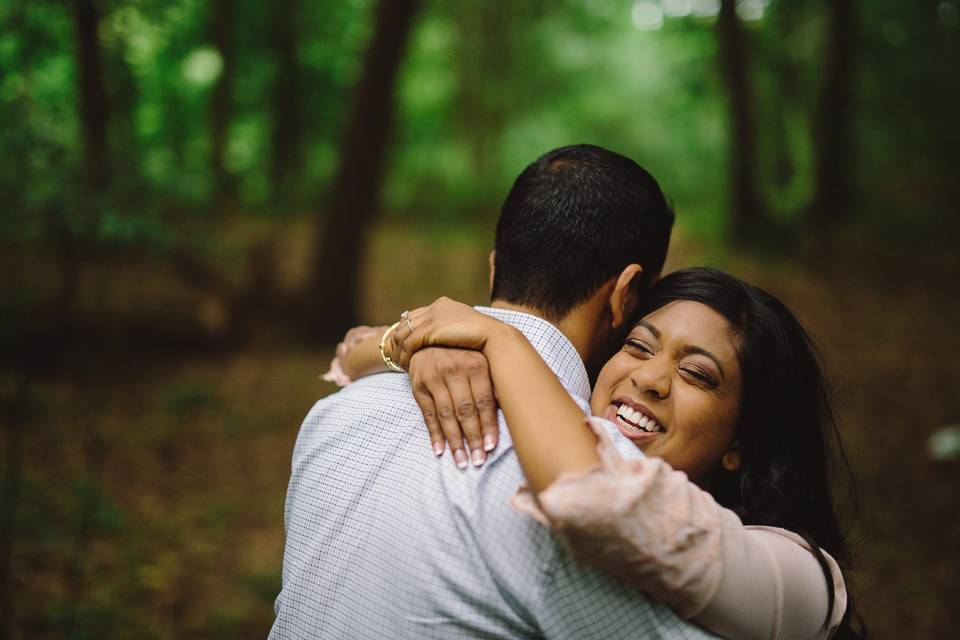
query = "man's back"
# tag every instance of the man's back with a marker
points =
(385, 540)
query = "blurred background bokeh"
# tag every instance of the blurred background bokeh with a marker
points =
(197, 197)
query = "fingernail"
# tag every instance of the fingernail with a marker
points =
(461, 458)
(438, 448)
(478, 457)
(489, 442)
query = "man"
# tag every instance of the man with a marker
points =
(386, 540)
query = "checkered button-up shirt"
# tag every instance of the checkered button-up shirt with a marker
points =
(384, 540)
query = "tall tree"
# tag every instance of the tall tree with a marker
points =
(92, 101)
(286, 150)
(784, 18)
(484, 57)
(832, 196)
(353, 199)
(93, 108)
(221, 102)
(747, 214)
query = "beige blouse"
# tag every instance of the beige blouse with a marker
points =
(646, 523)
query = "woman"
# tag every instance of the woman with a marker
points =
(717, 383)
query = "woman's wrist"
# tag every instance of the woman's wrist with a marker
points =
(356, 356)
(392, 348)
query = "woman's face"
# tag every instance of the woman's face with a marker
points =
(674, 388)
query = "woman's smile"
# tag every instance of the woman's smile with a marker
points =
(634, 419)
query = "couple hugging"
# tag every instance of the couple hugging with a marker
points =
(695, 502)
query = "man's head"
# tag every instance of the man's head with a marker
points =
(575, 219)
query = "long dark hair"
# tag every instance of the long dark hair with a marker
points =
(790, 450)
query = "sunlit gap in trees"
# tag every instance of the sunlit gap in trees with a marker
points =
(650, 14)
(947, 14)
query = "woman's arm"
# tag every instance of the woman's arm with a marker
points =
(647, 524)
(547, 426)
(357, 356)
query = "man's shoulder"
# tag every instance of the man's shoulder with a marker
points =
(378, 407)
(376, 390)
(386, 381)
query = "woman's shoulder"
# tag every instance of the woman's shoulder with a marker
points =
(798, 549)
(801, 594)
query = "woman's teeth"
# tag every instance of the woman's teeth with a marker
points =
(638, 421)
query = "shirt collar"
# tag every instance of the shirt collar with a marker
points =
(554, 347)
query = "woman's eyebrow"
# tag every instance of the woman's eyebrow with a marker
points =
(688, 349)
(649, 327)
(692, 349)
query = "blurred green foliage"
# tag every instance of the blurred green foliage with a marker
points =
(485, 88)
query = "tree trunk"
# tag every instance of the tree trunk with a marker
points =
(832, 196)
(92, 102)
(221, 102)
(483, 54)
(286, 149)
(354, 197)
(747, 214)
(784, 17)
(13, 416)
(93, 107)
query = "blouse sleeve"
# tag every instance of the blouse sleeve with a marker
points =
(647, 524)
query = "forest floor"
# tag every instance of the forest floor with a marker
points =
(149, 480)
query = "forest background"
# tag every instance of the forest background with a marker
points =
(200, 196)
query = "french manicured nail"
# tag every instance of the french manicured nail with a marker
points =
(489, 442)
(478, 457)
(438, 448)
(461, 458)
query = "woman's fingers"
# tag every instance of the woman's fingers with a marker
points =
(455, 394)
(446, 416)
(429, 410)
(481, 387)
(409, 336)
(467, 416)
(444, 323)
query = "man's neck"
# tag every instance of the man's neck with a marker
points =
(577, 328)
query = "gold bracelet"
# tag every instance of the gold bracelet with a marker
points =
(393, 366)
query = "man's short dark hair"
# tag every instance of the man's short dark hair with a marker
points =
(574, 219)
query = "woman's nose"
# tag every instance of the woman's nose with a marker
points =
(653, 377)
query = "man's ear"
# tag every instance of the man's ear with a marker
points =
(491, 260)
(623, 298)
(731, 459)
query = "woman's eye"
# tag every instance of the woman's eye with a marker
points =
(700, 376)
(639, 345)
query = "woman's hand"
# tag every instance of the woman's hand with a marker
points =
(546, 423)
(455, 394)
(445, 323)
(452, 387)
